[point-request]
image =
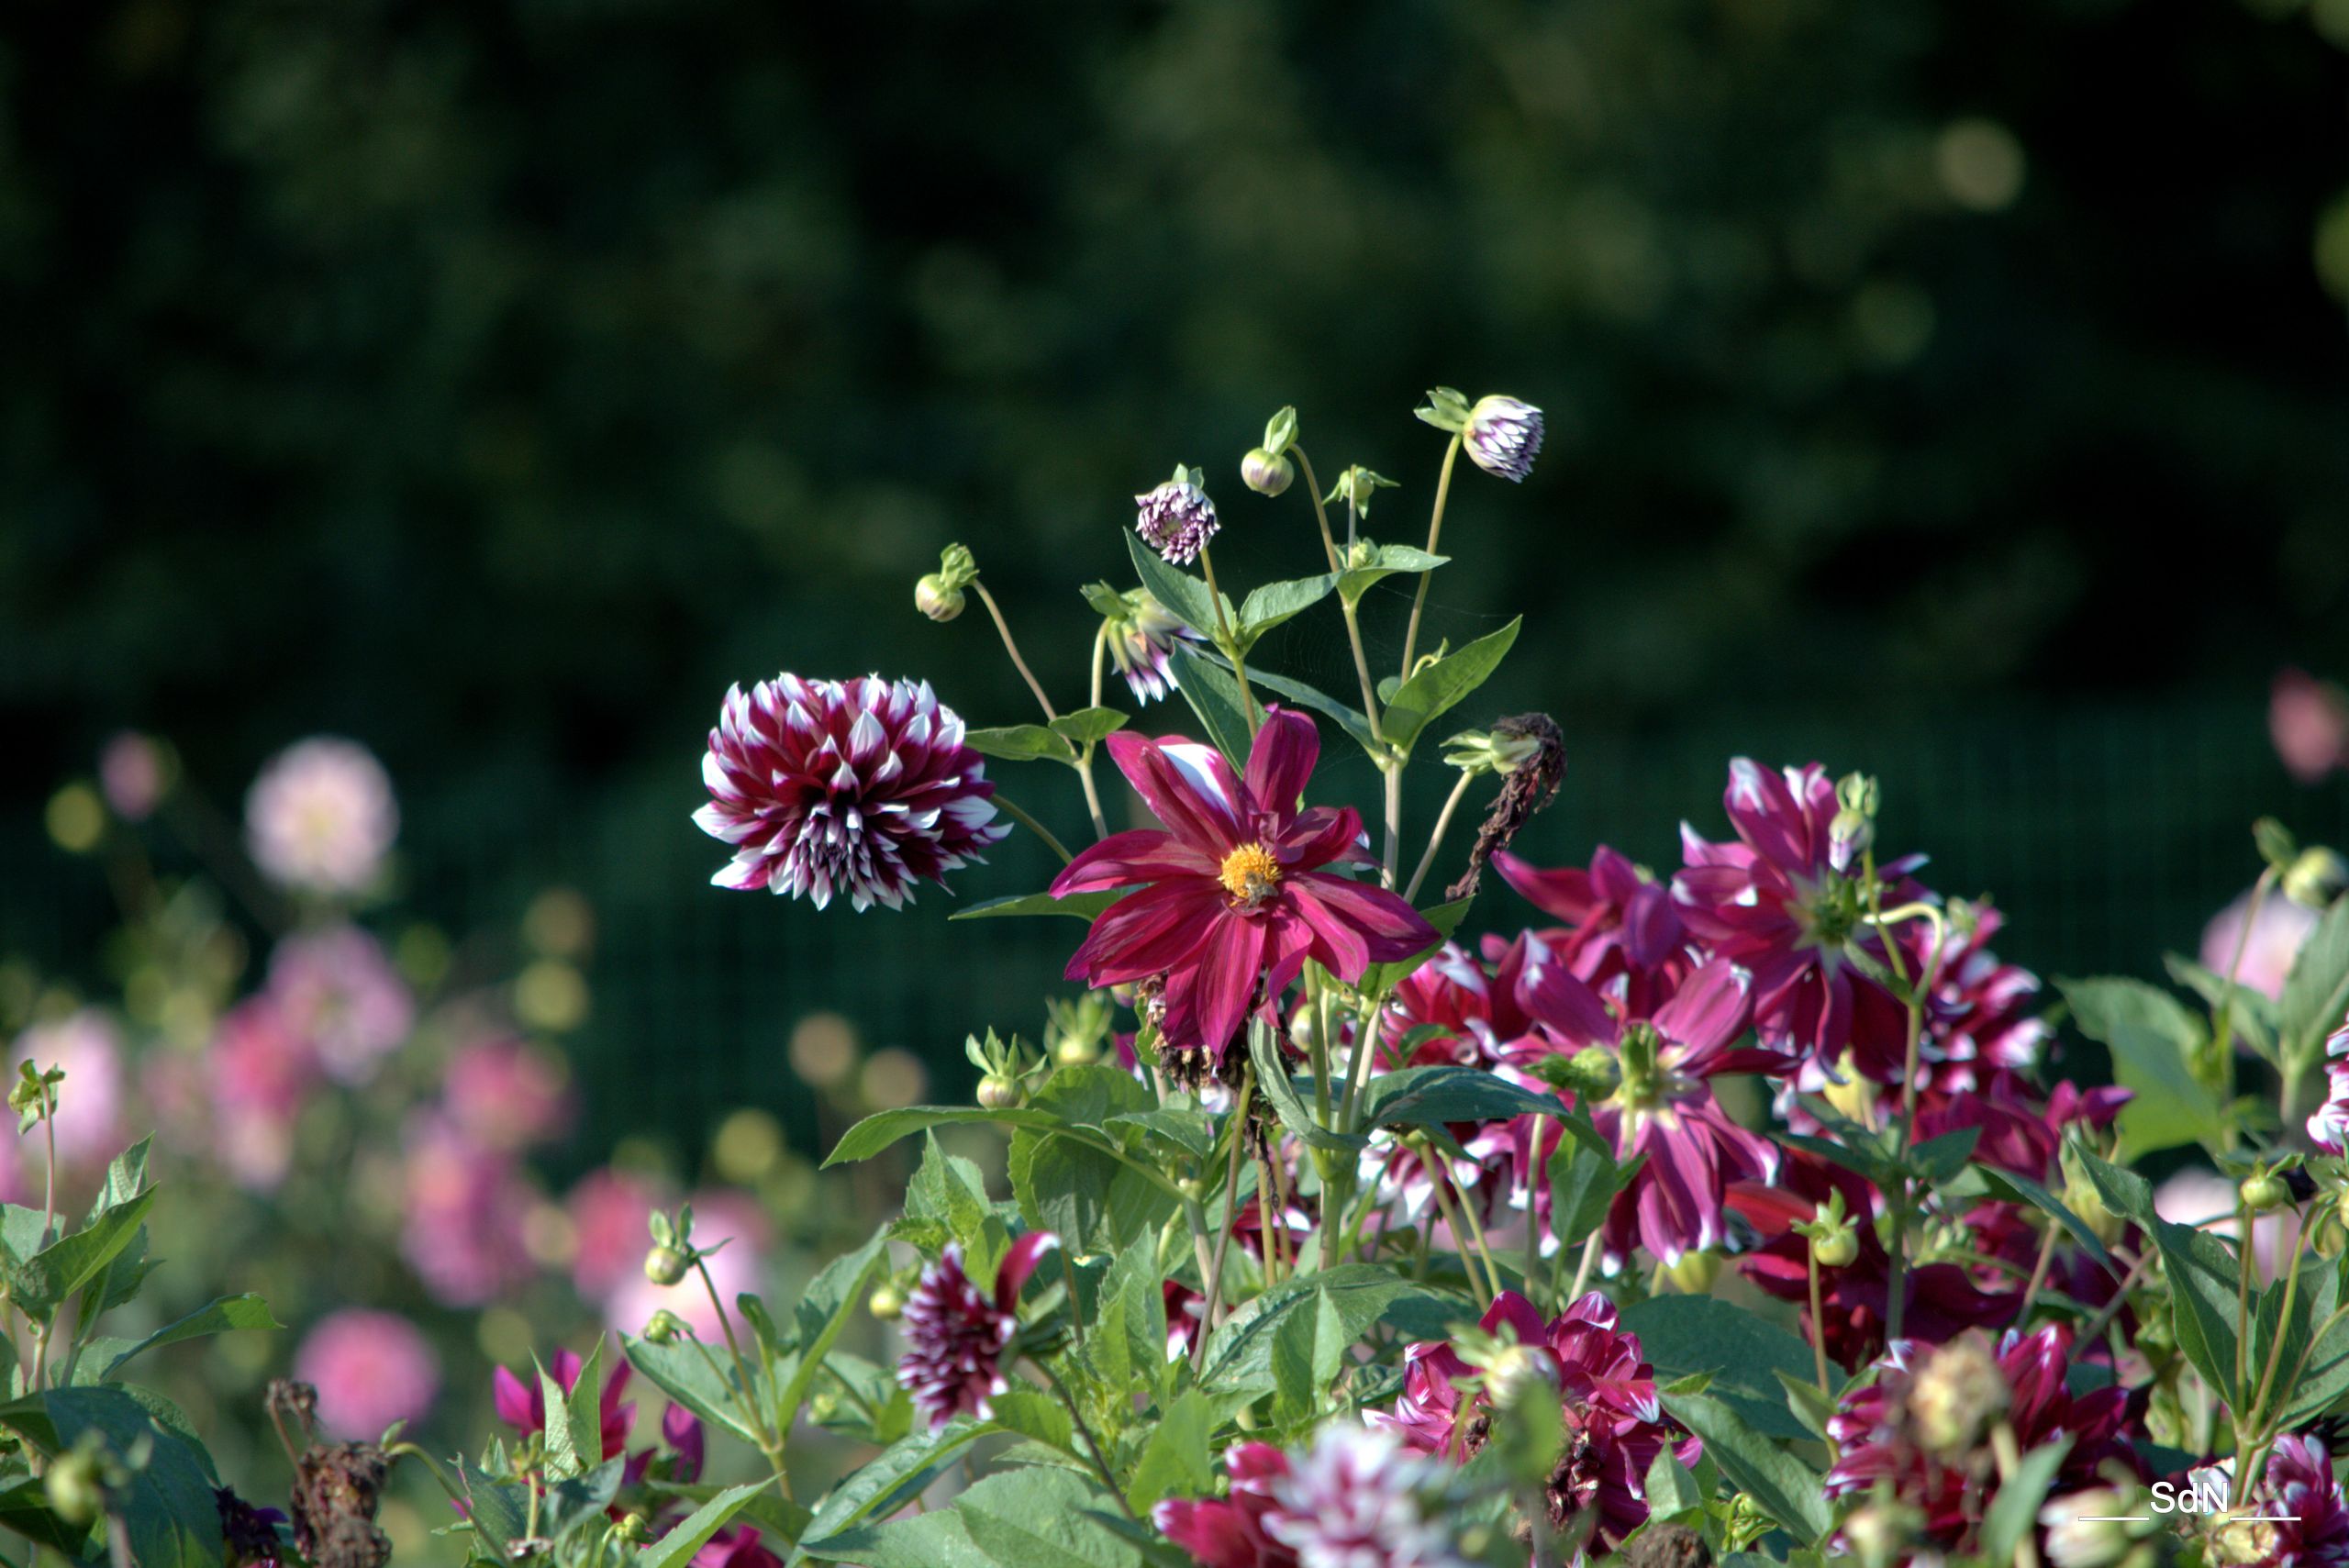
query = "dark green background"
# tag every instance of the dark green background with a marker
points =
(494, 383)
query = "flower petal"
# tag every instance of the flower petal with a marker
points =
(1122, 860)
(1281, 761)
(1147, 932)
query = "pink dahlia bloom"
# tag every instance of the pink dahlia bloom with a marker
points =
(337, 987)
(1876, 1432)
(1613, 920)
(2275, 942)
(89, 1115)
(1663, 1106)
(1235, 898)
(1176, 519)
(2308, 722)
(262, 1072)
(859, 787)
(508, 1094)
(321, 817)
(466, 1208)
(522, 1404)
(1774, 902)
(956, 1334)
(1615, 1421)
(611, 1215)
(133, 775)
(369, 1369)
(1355, 1498)
(2298, 1498)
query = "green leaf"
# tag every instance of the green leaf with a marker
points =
(227, 1315)
(1177, 1459)
(498, 1510)
(887, 1482)
(1811, 1404)
(682, 1371)
(2253, 1016)
(1239, 1353)
(1083, 906)
(1029, 1517)
(1274, 603)
(575, 1502)
(1744, 1355)
(881, 1129)
(51, 1276)
(822, 1312)
(2202, 1278)
(2316, 991)
(126, 1178)
(2022, 1189)
(1133, 1317)
(2151, 1038)
(2125, 1193)
(168, 1508)
(1183, 1127)
(1273, 1083)
(1939, 1159)
(1440, 686)
(1088, 725)
(1215, 695)
(563, 1451)
(1430, 1096)
(1584, 1179)
(1308, 1351)
(1782, 1485)
(2013, 1511)
(1349, 719)
(1186, 597)
(1021, 743)
(1384, 563)
(692, 1533)
(950, 1190)
(1672, 1490)
(1093, 1200)
(24, 1507)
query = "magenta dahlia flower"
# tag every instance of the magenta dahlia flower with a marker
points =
(736, 1546)
(1229, 1532)
(956, 1334)
(860, 787)
(1774, 902)
(1355, 1498)
(1664, 1106)
(523, 1405)
(1176, 519)
(1614, 919)
(1504, 436)
(1981, 1009)
(1615, 1420)
(2301, 1506)
(1235, 897)
(370, 1369)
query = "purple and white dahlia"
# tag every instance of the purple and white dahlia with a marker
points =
(1176, 519)
(1141, 636)
(859, 787)
(1503, 436)
(956, 1333)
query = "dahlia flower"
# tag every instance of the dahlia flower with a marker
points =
(338, 989)
(1980, 1012)
(1920, 1428)
(611, 1210)
(133, 775)
(1176, 519)
(508, 1092)
(955, 1335)
(1235, 893)
(1613, 919)
(2302, 1519)
(2308, 720)
(736, 1546)
(522, 1404)
(1504, 436)
(1141, 636)
(321, 817)
(2276, 935)
(1615, 1421)
(1663, 1106)
(369, 1369)
(2329, 1127)
(466, 1204)
(1355, 1498)
(1774, 903)
(860, 787)
(261, 1072)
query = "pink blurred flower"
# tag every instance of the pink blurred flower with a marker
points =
(370, 1369)
(2308, 722)
(610, 1214)
(508, 1094)
(320, 816)
(466, 1206)
(262, 1072)
(2276, 938)
(2194, 1195)
(956, 1334)
(736, 1546)
(741, 1265)
(89, 1102)
(337, 986)
(131, 775)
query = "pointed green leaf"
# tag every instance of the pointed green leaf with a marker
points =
(1440, 686)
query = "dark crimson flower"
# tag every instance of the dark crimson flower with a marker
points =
(1664, 1106)
(955, 1335)
(1229, 1532)
(736, 1546)
(860, 787)
(2302, 1520)
(681, 1431)
(1774, 902)
(1921, 1427)
(1236, 899)
(1176, 519)
(523, 1405)
(1355, 1498)
(1615, 1421)
(1979, 1019)
(1461, 1014)
(249, 1535)
(1504, 436)
(1614, 920)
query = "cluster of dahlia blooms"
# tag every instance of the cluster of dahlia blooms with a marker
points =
(1724, 1199)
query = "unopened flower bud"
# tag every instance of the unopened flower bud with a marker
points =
(1594, 1072)
(1518, 1370)
(634, 1528)
(1267, 473)
(76, 1491)
(1076, 1051)
(937, 598)
(1958, 1393)
(998, 1092)
(663, 1326)
(665, 1265)
(2315, 875)
(1837, 1249)
(2262, 1191)
(1192, 1187)
(2327, 1237)
(887, 1303)
(1503, 436)
(1848, 837)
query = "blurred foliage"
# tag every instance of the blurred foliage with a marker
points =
(496, 381)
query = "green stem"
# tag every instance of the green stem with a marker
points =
(1817, 1328)
(1391, 863)
(1092, 1445)
(1435, 532)
(1533, 1269)
(753, 1413)
(1436, 1185)
(1230, 1214)
(2223, 1013)
(1028, 822)
(1435, 838)
(2260, 1417)
(1229, 641)
(2247, 1257)
(1003, 627)
(1084, 757)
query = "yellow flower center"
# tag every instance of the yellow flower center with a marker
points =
(1248, 875)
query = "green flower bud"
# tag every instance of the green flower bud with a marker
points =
(76, 1493)
(665, 1265)
(2315, 875)
(1076, 1051)
(938, 598)
(1516, 1371)
(2263, 1191)
(998, 1092)
(1836, 1249)
(1695, 1272)
(1267, 473)
(1879, 1533)
(663, 1328)
(887, 1303)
